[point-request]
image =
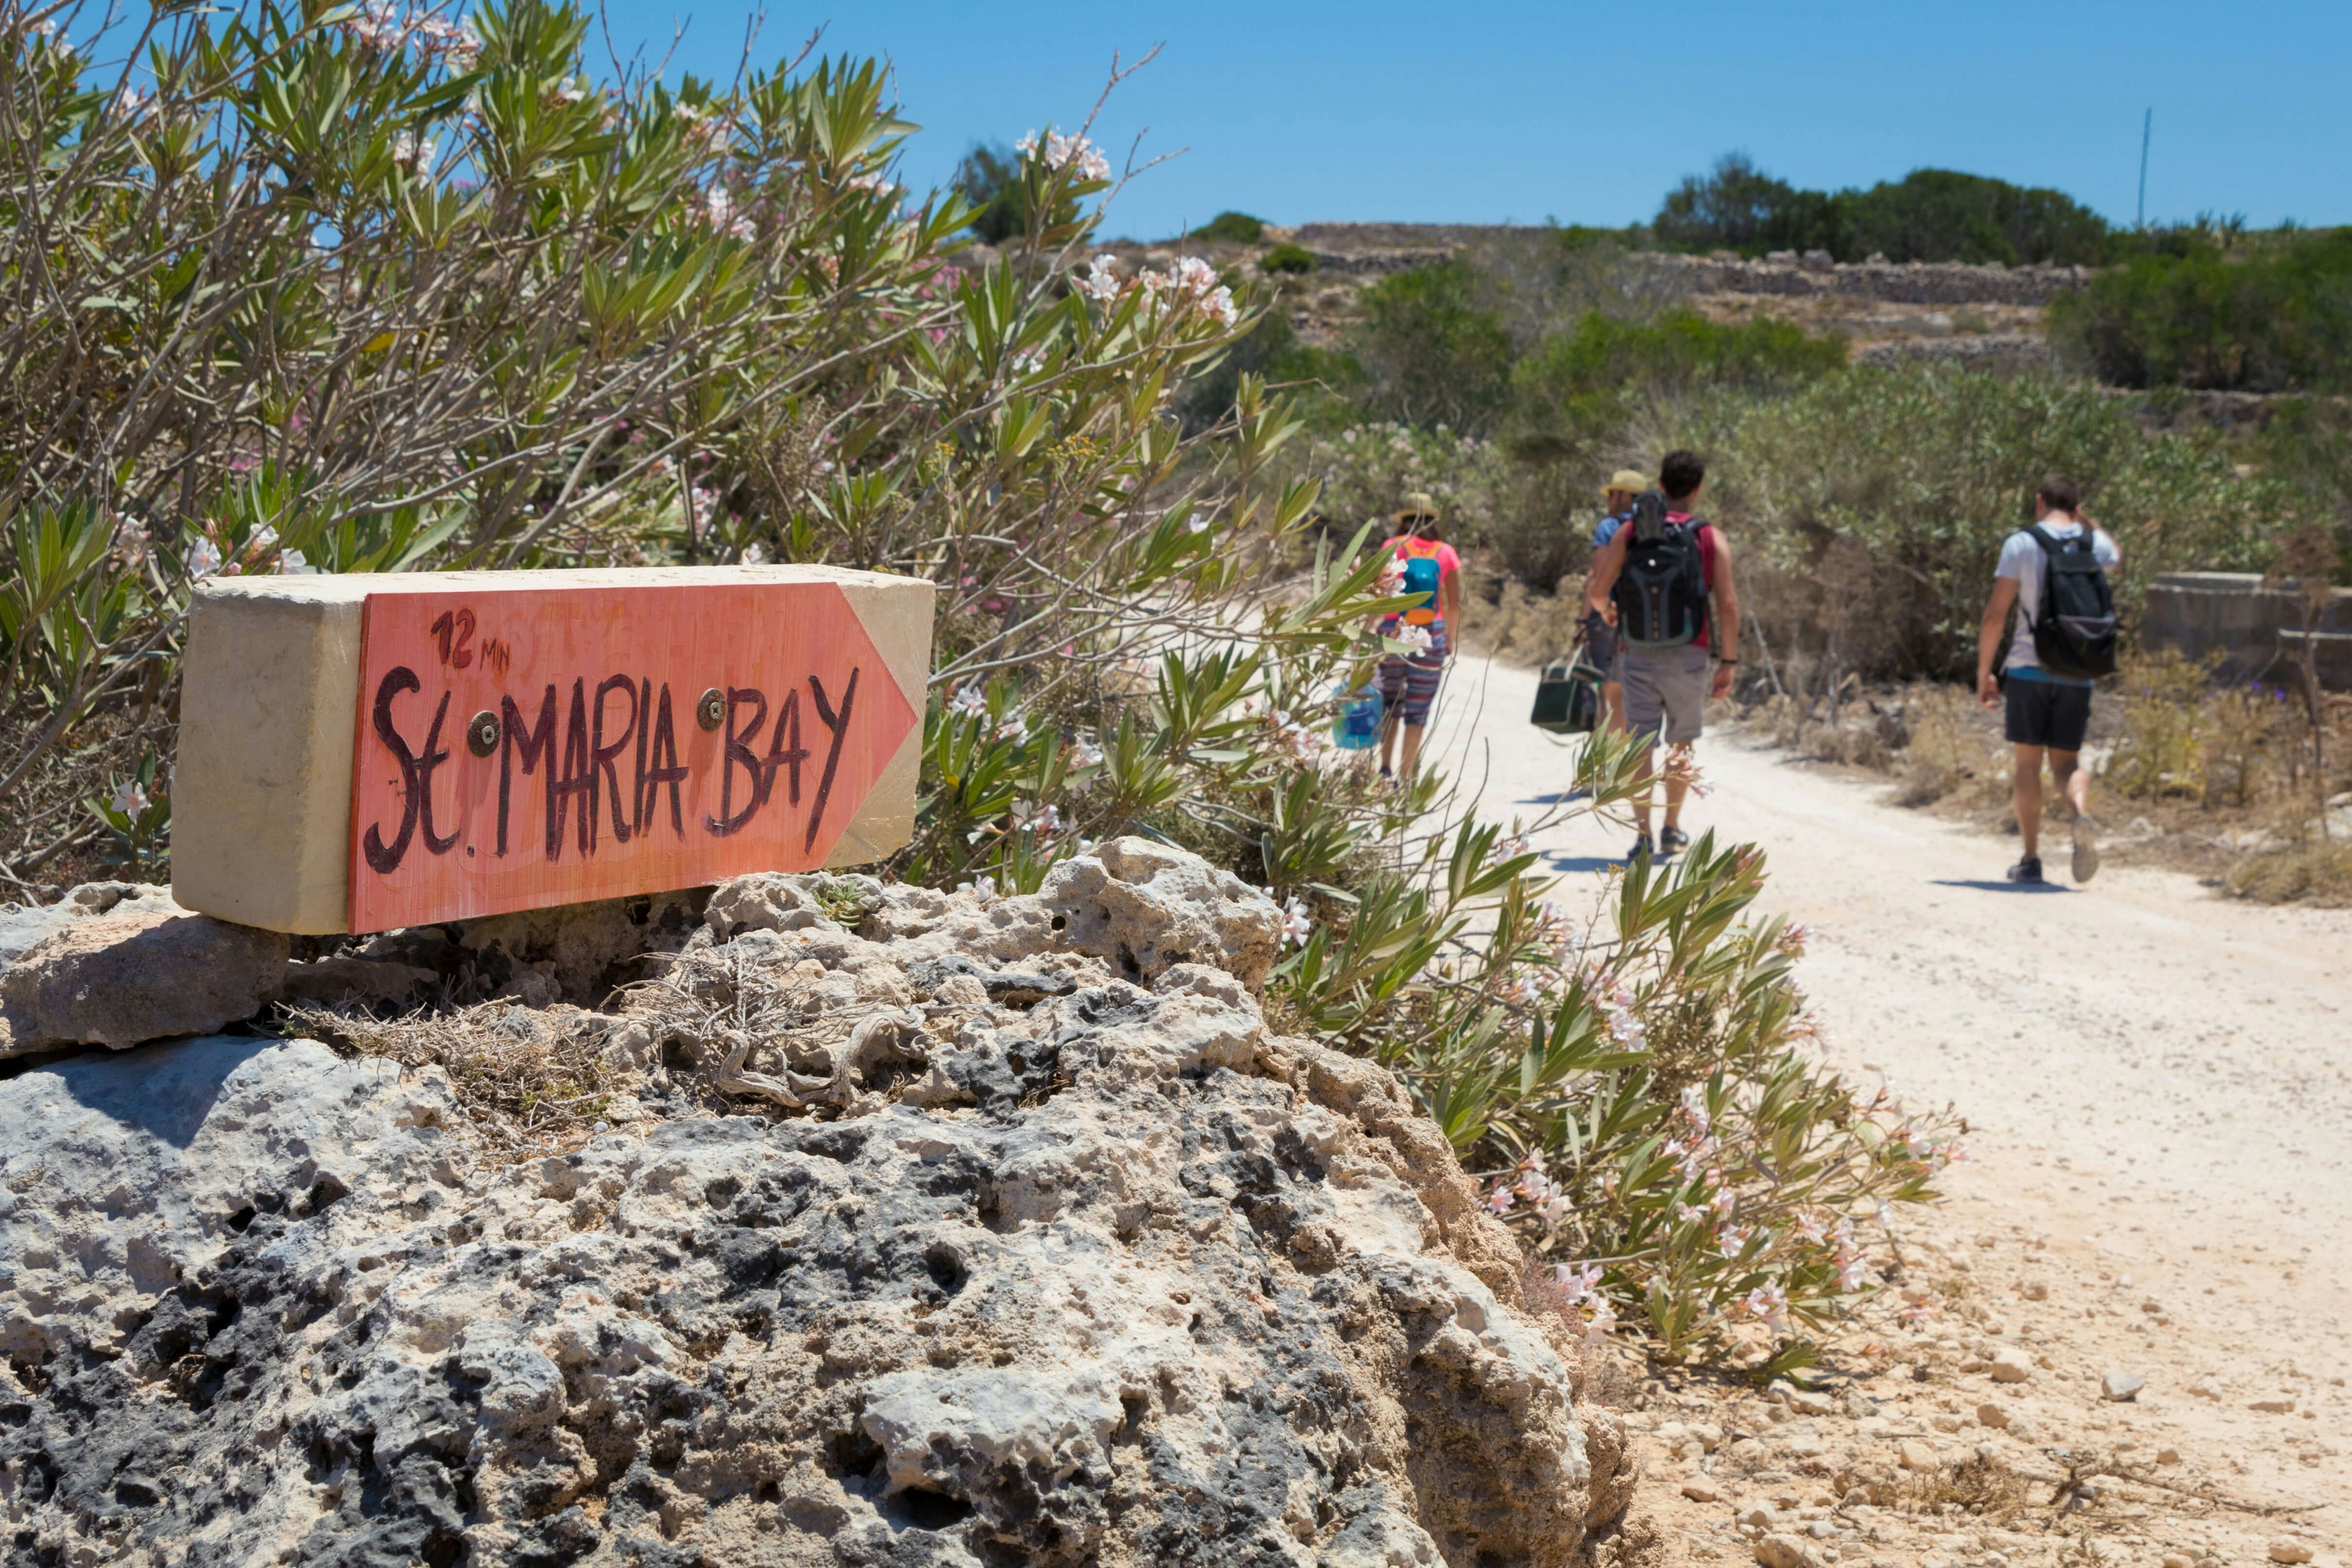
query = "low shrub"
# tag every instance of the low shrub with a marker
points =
(2273, 319)
(1229, 228)
(1577, 388)
(1287, 260)
(1433, 354)
(1633, 1083)
(2231, 746)
(2318, 871)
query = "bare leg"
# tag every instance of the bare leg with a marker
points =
(1411, 749)
(2028, 772)
(1678, 781)
(2073, 782)
(1388, 740)
(1612, 699)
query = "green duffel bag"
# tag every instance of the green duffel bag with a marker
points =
(1568, 698)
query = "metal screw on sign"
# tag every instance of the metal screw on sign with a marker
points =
(712, 711)
(482, 734)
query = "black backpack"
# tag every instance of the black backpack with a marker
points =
(2074, 625)
(1661, 592)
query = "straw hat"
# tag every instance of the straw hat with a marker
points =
(1626, 480)
(1418, 503)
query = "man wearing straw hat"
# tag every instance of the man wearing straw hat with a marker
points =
(1423, 565)
(1600, 625)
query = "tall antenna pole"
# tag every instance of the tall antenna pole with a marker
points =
(2146, 124)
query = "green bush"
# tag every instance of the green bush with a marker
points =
(1575, 389)
(1927, 470)
(1229, 228)
(2308, 445)
(1288, 259)
(1929, 214)
(989, 179)
(2273, 319)
(1938, 215)
(1432, 353)
(1737, 207)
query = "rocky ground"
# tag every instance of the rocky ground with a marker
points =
(1969, 1416)
(911, 1229)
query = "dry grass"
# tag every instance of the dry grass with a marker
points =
(1982, 1487)
(1950, 754)
(1522, 627)
(530, 1080)
(2318, 872)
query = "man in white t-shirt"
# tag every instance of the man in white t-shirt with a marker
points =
(2047, 715)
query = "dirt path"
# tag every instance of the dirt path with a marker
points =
(2157, 1082)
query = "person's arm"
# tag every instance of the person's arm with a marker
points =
(1605, 567)
(1726, 617)
(1449, 595)
(1996, 619)
(1608, 611)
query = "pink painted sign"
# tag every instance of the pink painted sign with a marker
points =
(528, 746)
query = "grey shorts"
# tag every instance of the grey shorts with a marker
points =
(1665, 691)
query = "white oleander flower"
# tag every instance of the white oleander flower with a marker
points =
(1101, 281)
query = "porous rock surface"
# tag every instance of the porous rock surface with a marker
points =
(1087, 1268)
(116, 964)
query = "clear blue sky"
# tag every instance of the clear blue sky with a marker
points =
(1588, 112)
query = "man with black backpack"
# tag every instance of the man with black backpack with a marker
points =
(1669, 574)
(2062, 638)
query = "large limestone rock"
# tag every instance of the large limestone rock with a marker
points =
(143, 969)
(24, 925)
(1143, 907)
(1081, 1269)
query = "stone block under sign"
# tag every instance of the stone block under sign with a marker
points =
(360, 753)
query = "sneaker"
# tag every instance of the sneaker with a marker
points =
(1672, 840)
(1643, 851)
(2087, 848)
(2026, 870)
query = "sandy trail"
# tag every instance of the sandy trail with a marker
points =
(2158, 1080)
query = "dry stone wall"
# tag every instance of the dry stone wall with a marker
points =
(1376, 248)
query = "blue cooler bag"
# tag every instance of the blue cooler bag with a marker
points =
(1357, 727)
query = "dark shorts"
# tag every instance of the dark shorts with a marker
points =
(1601, 644)
(2050, 713)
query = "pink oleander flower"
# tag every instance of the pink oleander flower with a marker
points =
(1580, 1282)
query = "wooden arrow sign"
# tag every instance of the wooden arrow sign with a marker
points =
(516, 740)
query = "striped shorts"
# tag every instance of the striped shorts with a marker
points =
(1408, 681)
